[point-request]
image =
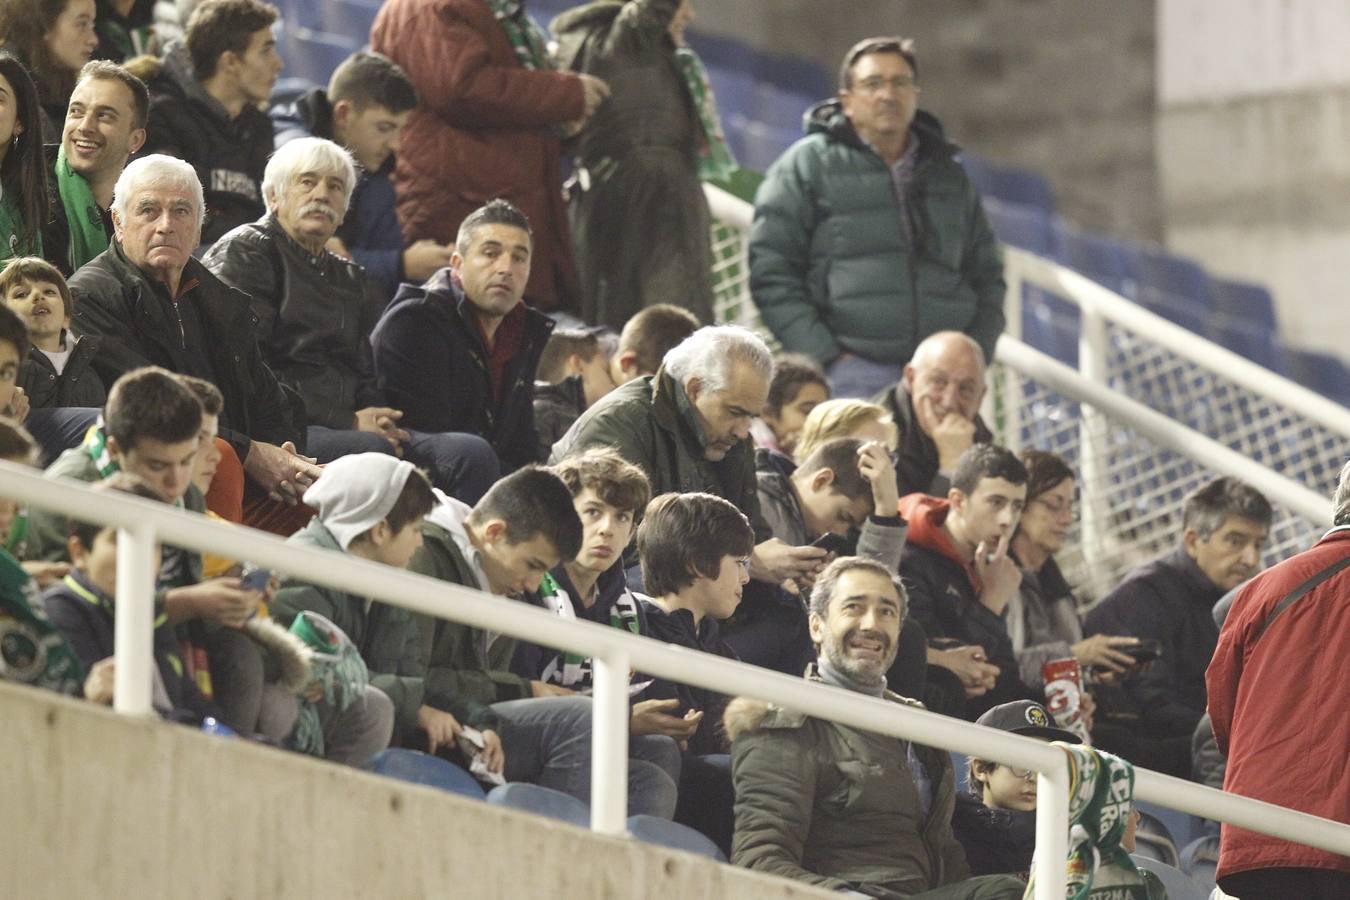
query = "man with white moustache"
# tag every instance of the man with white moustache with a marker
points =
(315, 311)
(840, 808)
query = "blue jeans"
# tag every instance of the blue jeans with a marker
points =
(462, 465)
(547, 741)
(857, 376)
(57, 429)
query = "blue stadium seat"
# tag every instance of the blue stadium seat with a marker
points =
(1027, 227)
(313, 55)
(1178, 884)
(1249, 303)
(346, 18)
(1174, 288)
(980, 171)
(761, 144)
(1182, 827)
(665, 833)
(1111, 263)
(1256, 342)
(541, 801)
(777, 108)
(1200, 859)
(1320, 372)
(423, 768)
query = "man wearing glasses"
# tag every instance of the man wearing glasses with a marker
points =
(868, 237)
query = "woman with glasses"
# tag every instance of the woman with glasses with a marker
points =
(1042, 618)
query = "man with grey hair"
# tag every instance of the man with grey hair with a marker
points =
(1280, 717)
(840, 808)
(315, 312)
(688, 428)
(1150, 716)
(459, 353)
(156, 305)
(936, 406)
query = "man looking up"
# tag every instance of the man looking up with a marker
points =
(315, 311)
(890, 834)
(204, 106)
(460, 352)
(868, 236)
(936, 405)
(688, 428)
(366, 109)
(105, 125)
(960, 578)
(156, 305)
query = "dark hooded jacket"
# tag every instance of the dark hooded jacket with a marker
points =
(228, 154)
(370, 230)
(944, 596)
(79, 384)
(640, 155)
(831, 266)
(678, 627)
(996, 841)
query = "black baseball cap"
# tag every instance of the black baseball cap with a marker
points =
(1026, 717)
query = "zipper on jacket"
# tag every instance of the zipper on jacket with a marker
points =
(182, 335)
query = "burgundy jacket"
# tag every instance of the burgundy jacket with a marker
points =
(1280, 706)
(484, 127)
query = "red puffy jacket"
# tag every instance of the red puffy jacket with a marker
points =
(1280, 706)
(484, 127)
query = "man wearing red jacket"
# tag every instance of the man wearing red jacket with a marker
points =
(1280, 710)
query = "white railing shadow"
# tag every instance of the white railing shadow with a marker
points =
(141, 523)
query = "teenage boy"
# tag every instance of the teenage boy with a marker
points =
(798, 386)
(83, 606)
(64, 389)
(505, 545)
(846, 487)
(573, 374)
(647, 338)
(960, 577)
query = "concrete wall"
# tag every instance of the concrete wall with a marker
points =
(1253, 131)
(1063, 87)
(98, 805)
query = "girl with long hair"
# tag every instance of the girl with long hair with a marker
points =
(23, 170)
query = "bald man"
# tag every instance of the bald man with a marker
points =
(936, 406)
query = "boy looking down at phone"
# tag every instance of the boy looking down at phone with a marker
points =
(960, 578)
(1150, 717)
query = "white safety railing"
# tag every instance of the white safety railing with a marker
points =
(1212, 403)
(142, 523)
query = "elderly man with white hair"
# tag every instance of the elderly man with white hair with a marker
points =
(156, 305)
(688, 428)
(315, 312)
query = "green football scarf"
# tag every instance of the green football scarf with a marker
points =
(573, 670)
(32, 651)
(12, 243)
(527, 39)
(715, 159)
(337, 668)
(83, 216)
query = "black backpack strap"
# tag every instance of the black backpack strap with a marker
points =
(1298, 593)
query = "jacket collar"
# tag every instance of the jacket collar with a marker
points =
(674, 411)
(927, 516)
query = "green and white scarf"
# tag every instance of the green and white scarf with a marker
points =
(96, 445)
(527, 38)
(11, 231)
(336, 665)
(32, 651)
(572, 670)
(715, 160)
(83, 216)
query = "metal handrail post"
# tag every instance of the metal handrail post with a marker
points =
(1092, 463)
(134, 624)
(609, 744)
(1052, 832)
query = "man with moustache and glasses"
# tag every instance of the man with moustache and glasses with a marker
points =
(315, 311)
(833, 806)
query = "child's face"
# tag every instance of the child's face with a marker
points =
(40, 306)
(9, 373)
(208, 454)
(1006, 788)
(168, 468)
(99, 562)
(787, 423)
(606, 531)
(398, 549)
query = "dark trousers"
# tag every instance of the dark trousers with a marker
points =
(1287, 884)
(707, 800)
(58, 429)
(462, 465)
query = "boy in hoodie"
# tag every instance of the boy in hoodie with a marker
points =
(960, 577)
(506, 544)
(204, 100)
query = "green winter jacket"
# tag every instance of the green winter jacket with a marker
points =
(836, 807)
(831, 268)
(650, 422)
(388, 637)
(460, 663)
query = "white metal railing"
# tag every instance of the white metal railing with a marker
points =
(142, 523)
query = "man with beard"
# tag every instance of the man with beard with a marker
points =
(840, 808)
(315, 311)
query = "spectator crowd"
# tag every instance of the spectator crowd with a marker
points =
(372, 318)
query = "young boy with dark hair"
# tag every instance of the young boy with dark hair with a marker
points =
(573, 374)
(13, 348)
(505, 545)
(647, 338)
(798, 386)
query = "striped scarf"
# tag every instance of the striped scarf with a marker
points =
(336, 666)
(571, 670)
(716, 162)
(527, 38)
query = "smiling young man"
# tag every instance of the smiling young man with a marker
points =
(460, 352)
(841, 808)
(959, 575)
(204, 106)
(104, 126)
